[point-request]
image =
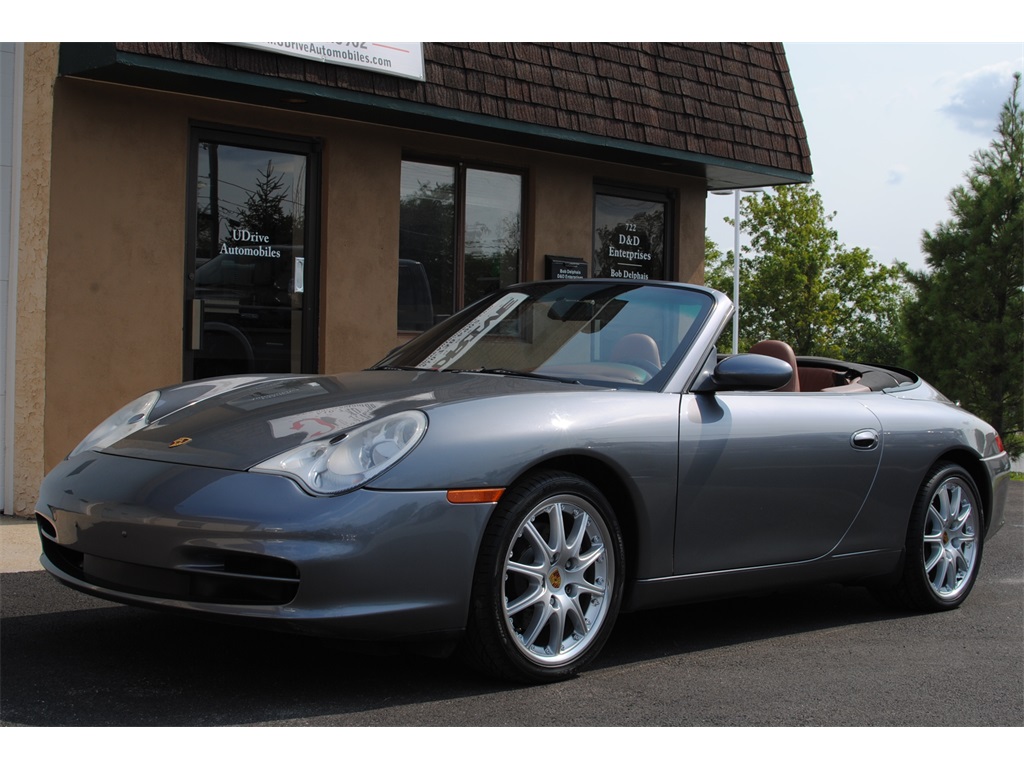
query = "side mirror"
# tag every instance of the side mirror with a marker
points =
(749, 373)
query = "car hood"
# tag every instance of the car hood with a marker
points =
(238, 423)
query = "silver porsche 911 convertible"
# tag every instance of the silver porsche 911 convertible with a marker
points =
(507, 483)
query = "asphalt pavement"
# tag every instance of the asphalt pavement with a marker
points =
(820, 656)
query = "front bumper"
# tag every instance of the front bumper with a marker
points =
(368, 565)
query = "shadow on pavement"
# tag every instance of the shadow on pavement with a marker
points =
(103, 664)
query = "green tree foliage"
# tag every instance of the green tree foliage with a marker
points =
(799, 284)
(965, 325)
(718, 274)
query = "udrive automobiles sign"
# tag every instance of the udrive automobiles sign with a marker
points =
(400, 59)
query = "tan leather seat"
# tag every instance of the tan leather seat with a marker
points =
(781, 351)
(817, 379)
(637, 349)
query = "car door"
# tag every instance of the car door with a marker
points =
(768, 478)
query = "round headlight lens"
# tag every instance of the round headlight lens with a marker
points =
(336, 465)
(129, 419)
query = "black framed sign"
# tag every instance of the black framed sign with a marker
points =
(629, 235)
(564, 268)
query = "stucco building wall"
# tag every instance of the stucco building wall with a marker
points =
(29, 313)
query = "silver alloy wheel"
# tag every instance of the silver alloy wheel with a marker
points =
(950, 539)
(558, 575)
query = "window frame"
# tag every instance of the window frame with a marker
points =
(460, 168)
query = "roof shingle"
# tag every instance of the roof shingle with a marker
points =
(733, 101)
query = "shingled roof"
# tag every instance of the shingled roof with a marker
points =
(724, 111)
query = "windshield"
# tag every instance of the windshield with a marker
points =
(590, 331)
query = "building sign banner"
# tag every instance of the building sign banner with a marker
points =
(399, 59)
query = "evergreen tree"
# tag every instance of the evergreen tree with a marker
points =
(965, 326)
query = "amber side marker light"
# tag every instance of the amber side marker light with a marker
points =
(475, 495)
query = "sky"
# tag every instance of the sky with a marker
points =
(891, 128)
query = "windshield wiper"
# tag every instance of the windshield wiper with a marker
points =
(494, 371)
(511, 372)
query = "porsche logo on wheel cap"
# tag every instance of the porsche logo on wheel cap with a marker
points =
(555, 577)
(179, 442)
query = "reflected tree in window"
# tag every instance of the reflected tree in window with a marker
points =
(460, 238)
(426, 247)
(264, 210)
(493, 263)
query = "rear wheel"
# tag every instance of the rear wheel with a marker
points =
(944, 542)
(548, 582)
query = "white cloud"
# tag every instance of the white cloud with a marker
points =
(976, 98)
(896, 175)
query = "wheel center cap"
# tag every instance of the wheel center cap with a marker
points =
(555, 579)
(945, 537)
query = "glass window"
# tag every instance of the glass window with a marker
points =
(460, 239)
(629, 236)
(251, 263)
(492, 232)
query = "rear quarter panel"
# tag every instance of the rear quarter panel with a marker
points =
(917, 432)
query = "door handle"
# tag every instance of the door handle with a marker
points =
(864, 440)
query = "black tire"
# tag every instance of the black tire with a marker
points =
(548, 581)
(944, 543)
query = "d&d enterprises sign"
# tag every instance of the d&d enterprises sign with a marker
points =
(629, 237)
(399, 59)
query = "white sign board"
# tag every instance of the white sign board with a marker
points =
(399, 59)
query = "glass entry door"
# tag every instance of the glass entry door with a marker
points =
(251, 276)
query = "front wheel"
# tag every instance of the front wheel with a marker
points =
(944, 542)
(548, 581)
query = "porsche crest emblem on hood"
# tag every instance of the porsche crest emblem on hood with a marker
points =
(179, 442)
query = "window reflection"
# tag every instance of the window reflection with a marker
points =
(249, 259)
(445, 264)
(492, 232)
(426, 245)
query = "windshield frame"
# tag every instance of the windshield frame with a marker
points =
(442, 347)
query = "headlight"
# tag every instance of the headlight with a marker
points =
(336, 465)
(131, 418)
